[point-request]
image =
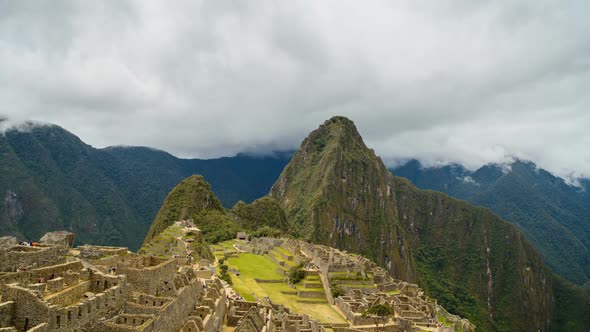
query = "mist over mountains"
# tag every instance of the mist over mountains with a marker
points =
(51, 180)
(554, 215)
(334, 191)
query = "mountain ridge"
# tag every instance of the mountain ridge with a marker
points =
(52, 180)
(342, 195)
(553, 214)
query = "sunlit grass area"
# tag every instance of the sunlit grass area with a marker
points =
(253, 266)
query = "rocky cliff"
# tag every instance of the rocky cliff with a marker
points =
(337, 192)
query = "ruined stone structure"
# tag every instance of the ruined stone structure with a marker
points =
(51, 287)
(93, 288)
(257, 317)
(360, 284)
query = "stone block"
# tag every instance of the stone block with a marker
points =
(55, 285)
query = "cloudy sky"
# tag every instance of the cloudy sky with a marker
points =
(442, 81)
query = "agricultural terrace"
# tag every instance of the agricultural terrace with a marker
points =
(260, 277)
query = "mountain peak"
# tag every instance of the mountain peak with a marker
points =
(336, 191)
(192, 195)
(340, 120)
(338, 127)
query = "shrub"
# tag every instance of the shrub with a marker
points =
(296, 274)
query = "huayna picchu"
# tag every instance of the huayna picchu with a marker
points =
(339, 244)
(339, 193)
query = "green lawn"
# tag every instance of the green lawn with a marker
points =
(255, 266)
(288, 264)
(283, 250)
(261, 267)
(219, 249)
(225, 245)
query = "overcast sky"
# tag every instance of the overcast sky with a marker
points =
(442, 81)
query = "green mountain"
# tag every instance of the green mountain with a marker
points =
(333, 185)
(192, 199)
(191, 196)
(554, 216)
(337, 192)
(51, 180)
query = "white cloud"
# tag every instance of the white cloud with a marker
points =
(446, 81)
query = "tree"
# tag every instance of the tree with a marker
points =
(380, 313)
(296, 274)
(223, 275)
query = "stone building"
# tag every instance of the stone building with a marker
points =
(94, 288)
(362, 284)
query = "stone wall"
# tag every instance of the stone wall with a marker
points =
(170, 316)
(157, 280)
(96, 252)
(29, 311)
(6, 313)
(32, 276)
(173, 316)
(30, 257)
(69, 296)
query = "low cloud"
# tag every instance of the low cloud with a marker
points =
(471, 82)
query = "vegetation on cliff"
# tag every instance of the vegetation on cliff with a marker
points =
(193, 199)
(338, 193)
(191, 196)
(552, 214)
(265, 211)
(51, 180)
(474, 263)
(331, 189)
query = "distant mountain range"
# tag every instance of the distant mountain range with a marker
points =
(336, 191)
(554, 216)
(51, 180)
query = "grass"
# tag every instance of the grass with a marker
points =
(356, 285)
(443, 321)
(255, 266)
(261, 267)
(283, 250)
(225, 245)
(221, 248)
(288, 263)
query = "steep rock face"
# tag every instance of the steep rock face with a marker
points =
(191, 196)
(552, 214)
(338, 193)
(474, 263)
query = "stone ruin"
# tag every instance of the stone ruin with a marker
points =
(52, 287)
(361, 284)
(258, 317)
(107, 289)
